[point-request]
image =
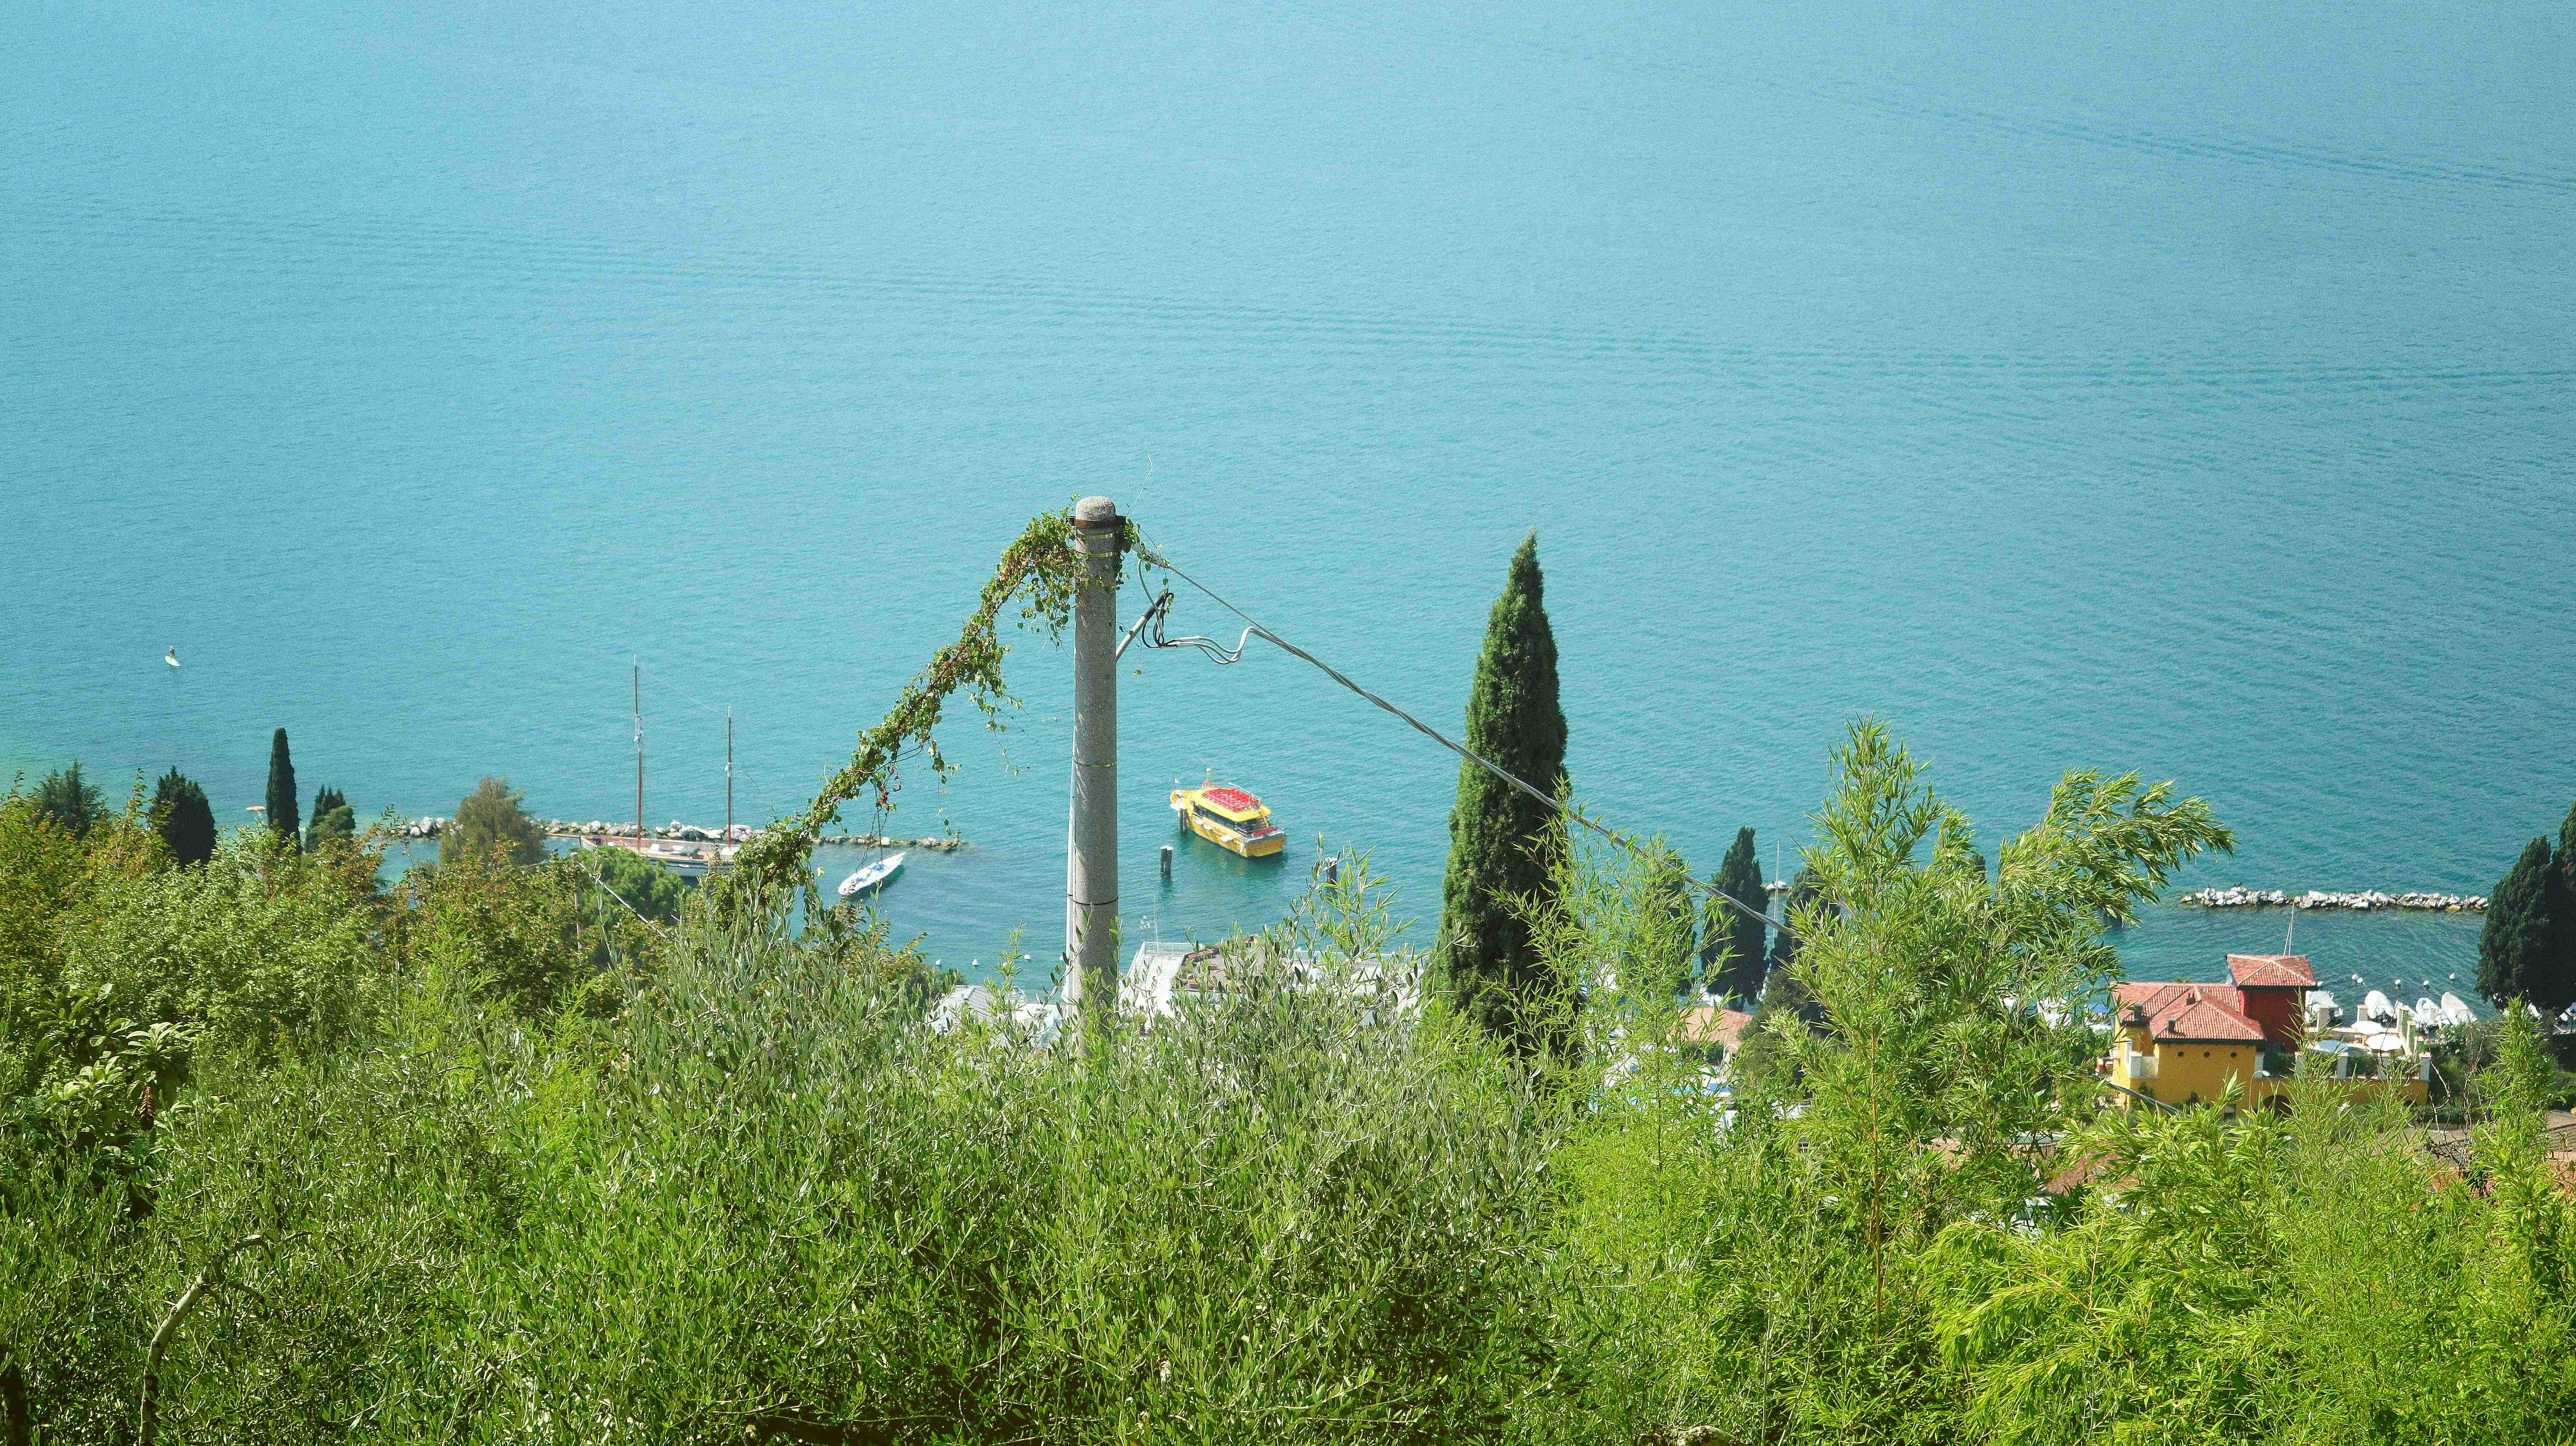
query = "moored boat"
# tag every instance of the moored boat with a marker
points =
(1229, 817)
(872, 877)
(670, 853)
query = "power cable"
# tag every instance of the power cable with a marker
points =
(1254, 628)
(596, 877)
(600, 878)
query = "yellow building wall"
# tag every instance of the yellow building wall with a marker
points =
(2185, 1073)
(2189, 1073)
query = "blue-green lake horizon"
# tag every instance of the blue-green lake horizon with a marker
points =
(2183, 391)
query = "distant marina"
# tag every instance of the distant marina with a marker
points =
(677, 831)
(2237, 896)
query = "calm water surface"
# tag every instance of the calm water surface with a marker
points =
(2185, 390)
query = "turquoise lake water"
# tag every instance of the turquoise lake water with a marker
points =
(2183, 389)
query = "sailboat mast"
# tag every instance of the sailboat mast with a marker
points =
(639, 753)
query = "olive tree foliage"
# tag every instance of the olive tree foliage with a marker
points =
(1674, 960)
(1770, 1245)
(258, 950)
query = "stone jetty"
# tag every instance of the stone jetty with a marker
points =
(684, 832)
(2237, 896)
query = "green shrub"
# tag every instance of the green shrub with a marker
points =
(554, 1179)
(544, 938)
(261, 950)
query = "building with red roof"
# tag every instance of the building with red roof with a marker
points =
(2269, 990)
(2183, 1043)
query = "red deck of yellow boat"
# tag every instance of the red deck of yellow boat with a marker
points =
(1231, 818)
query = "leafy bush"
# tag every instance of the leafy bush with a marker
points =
(490, 819)
(262, 950)
(48, 875)
(544, 939)
(566, 1180)
(639, 883)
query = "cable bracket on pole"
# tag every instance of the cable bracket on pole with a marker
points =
(1216, 651)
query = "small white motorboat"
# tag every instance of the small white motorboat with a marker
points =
(872, 877)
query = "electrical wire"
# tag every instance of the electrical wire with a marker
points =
(1254, 628)
(599, 877)
(1217, 652)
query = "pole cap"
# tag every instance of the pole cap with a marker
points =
(1095, 512)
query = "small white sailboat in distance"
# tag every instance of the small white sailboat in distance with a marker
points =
(173, 658)
(872, 877)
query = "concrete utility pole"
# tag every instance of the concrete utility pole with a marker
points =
(1091, 843)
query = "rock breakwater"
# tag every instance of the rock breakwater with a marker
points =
(682, 832)
(2237, 896)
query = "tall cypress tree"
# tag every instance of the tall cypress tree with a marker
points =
(281, 790)
(1731, 931)
(1502, 842)
(183, 818)
(2515, 945)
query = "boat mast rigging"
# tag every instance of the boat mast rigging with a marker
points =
(639, 753)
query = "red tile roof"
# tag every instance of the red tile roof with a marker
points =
(1707, 1024)
(2271, 971)
(2207, 1018)
(2201, 1013)
(2150, 997)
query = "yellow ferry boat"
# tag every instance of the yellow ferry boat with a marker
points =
(1230, 818)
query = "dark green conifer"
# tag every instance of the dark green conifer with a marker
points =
(2515, 946)
(281, 814)
(332, 818)
(183, 818)
(2562, 913)
(1730, 948)
(70, 802)
(1502, 842)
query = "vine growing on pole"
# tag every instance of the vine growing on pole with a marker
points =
(1039, 570)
